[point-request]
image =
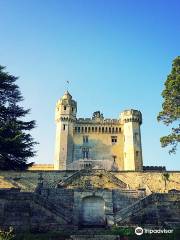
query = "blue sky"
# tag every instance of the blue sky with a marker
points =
(116, 55)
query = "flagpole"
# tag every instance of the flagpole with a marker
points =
(67, 85)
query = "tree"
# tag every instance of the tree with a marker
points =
(16, 143)
(170, 113)
(165, 177)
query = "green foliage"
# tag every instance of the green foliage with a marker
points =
(122, 231)
(171, 107)
(166, 176)
(16, 144)
(7, 235)
(125, 233)
(43, 236)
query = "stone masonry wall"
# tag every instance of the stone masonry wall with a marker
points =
(28, 211)
(152, 181)
(155, 209)
(123, 199)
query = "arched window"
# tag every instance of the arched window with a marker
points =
(110, 130)
(99, 129)
(102, 129)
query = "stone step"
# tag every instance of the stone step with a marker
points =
(94, 237)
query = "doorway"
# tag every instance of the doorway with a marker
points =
(93, 211)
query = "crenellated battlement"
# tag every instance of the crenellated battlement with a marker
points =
(131, 116)
(97, 138)
(99, 119)
(94, 121)
(97, 124)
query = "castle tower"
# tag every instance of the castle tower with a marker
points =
(132, 120)
(65, 117)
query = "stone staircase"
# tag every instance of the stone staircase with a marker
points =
(22, 183)
(59, 212)
(94, 237)
(93, 172)
(153, 199)
(134, 208)
(70, 179)
(114, 179)
(93, 234)
(5, 184)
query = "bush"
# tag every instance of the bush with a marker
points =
(7, 235)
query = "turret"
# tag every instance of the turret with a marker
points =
(65, 117)
(132, 119)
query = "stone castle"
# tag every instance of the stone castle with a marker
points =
(97, 181)
(98, 143)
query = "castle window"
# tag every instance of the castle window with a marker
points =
(78, 129)
(119, 129)
(85, 139)
(116, 129)
(95, 129)
(113, 139)
(92, 129)
(114, 158)
(89, 129)
(102, 129)
(82, 129)
(75, 129)
(85, 129)
(64, 127)
(136, 137)
(85, 153)
(106, 129)
(99, 129)
(110, 130)
(64, 108)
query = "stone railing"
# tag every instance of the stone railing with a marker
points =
(59, 211)
(141, 204)
(93, 172)
(103, 121)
